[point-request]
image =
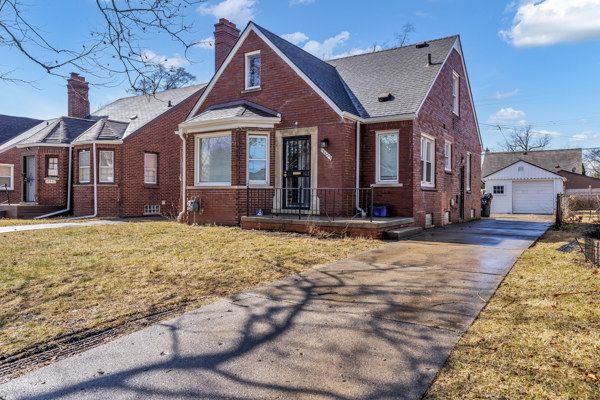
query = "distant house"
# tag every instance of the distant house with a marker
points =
(121, 160)
(12, 126)
(527, 183)
(278, 132)
(577, 183)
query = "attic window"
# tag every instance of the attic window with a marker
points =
(253, 70)
(383, 97)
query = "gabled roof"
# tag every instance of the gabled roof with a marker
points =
(58, 131)
(578, 181)
(237, 109)
(550, 160)
(103, 129)
(404, 72)
(11, 126)
(538, 173)
(137, 111)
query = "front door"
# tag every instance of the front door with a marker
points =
(29, 179)
(296, 172)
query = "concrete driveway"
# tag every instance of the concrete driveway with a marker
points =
(377, 326)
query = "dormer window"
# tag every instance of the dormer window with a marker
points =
(253, 70)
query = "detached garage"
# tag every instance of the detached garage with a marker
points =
(523, 188)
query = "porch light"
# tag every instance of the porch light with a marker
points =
(324, 143)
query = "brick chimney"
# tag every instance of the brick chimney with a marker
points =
(226, 34)
(77, 92)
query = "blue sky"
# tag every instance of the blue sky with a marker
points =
(529, 62)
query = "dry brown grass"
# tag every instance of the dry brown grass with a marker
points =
(16, 222)
(538, 338)
(54, 282)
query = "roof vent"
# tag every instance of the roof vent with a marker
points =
(422, 45)
(133, 117)
(169, 104)
(383, 97)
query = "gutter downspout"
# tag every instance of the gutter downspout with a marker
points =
(183, 177)
(95, 186)
(362, 212)
(69, 184)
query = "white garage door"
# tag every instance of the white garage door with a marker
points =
(533, 197)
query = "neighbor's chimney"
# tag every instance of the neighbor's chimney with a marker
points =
(226, 34)
(77, 91)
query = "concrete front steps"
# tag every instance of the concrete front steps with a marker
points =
(27, 211)
(402, 233)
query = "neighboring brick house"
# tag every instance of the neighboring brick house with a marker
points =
(137, 157)
(279, 131)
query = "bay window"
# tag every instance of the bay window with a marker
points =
(213, 159)
(84, 166)
(150, 168)
(107, 166)
(387, 157)
(258, 159)
(427, 161)
(7, 177)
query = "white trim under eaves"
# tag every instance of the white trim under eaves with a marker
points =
(376, 120)
(458, 48)
(243, 36)
(228, 124)
(98, 142)
(24, 145)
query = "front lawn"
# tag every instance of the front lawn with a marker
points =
(16, 222)
(55, 282)
(538, 338)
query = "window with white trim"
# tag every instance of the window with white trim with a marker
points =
(213, 160)
(448, 156)
(468, 174)
(7, 177)
(107, 166)
(498, 189)
(151, 168)
(455, 93)
(252, 70)
(51, 167)
(258, 159)
(84, 166)
(427, 161)
(387, 157)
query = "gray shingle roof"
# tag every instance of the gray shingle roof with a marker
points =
(404, 72)
(319, 72)
(551, 160)
(11, 126)
(103, 129)
(242, 108)
(61, 130)
(137, 111)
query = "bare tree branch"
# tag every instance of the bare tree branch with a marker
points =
(592, 161)
(524, 139)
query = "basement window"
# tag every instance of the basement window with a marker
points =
(151, 209)
(7, 179)
(253, 70)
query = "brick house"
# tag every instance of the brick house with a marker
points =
(121, 160)
(280, 139)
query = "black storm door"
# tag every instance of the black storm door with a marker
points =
(296, 172)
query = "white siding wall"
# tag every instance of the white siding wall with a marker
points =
(501, 203)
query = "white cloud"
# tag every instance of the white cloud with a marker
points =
(505, 95)
(296, 38)
(508, 114)
(301, 2)
(578, 137)
(542, 23)
(238, 11)
(544, 132)
(168, 62)
(208, 43)
(356, 51)
(326, 48)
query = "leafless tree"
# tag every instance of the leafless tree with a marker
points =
(403, 37)
(164, 79)
(524, 139)
(110, 53)
(592, 161)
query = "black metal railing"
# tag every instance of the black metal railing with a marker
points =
(330, 203)
(7, 193)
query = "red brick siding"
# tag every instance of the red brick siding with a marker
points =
(13, 156)
(436, 119)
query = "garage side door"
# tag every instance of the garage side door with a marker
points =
(535, 197)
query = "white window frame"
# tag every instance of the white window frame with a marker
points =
(197, 154)
(11, 176)
(455, 93)
(85, 167)
(377, 157)
(267, 160)
(247, 70)
(48, 158)
(100, 167)
(500, 187)
(468, 173)
(146, 168)
(448, 156)
(431, 139)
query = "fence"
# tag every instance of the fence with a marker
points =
(330, 203)
(577, 208)
(591, 249)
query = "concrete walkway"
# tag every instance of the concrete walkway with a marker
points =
(378, 326)
(59, 225)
